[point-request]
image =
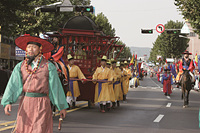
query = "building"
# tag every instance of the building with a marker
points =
(194, 41)
(8, 57)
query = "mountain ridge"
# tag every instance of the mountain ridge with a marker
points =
(141, 51)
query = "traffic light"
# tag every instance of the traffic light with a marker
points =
(147, 31)
(49, 9)
(84, 8)
(173, 31)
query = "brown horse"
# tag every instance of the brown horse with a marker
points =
(186, 85)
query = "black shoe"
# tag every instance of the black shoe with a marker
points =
(113, 105)
(108, 106)
(73, 105)
(124, 97)
(68, 107)
(118, 104)
(165, 94)
(102, 108)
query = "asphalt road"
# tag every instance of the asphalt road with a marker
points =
(147, 111)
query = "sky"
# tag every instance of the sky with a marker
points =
(128, 17)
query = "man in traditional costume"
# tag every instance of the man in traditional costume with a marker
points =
(104, 77)
(116, 84)
(128, 71)
(37, 79)
(187, 64)
(112, 94)
(56, 56)
(74, 74)
(123, 82)
(167, 82)
(80, 53)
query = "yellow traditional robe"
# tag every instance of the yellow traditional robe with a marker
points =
(117, 89)
(75, 72)
(124, 83)
(101, 74)
(112, 93)
(128, 77)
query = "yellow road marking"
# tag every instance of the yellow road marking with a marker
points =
(6, 128)
(77, 105)
(6, 123)
(73, 109)
(9, 127)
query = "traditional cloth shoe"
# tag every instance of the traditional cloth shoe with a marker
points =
(102, 108)
(73, 105)
(108, 106)
(113, 105)
(118, 104)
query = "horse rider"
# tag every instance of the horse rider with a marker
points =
(187, 64)
(56, 56)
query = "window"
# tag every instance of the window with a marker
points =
(192, 34)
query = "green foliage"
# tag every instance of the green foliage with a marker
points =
(126, 52)
(104, 25)
(19, 16)
(190, 10)
(169, 45)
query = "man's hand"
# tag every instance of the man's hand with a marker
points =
(84, 81)
(8, 108)
(109, 82)
(63, 113)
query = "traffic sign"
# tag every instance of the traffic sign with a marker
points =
(160, 28)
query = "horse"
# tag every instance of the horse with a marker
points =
(186, 85)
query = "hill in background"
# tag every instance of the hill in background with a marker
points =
(141, 51)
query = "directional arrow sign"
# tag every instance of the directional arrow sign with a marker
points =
(160, 28)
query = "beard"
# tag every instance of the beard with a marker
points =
(31, 58)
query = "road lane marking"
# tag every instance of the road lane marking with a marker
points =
(155, 83)
(158, 119)
(68, 111)
(6, 128)
(168, 105)
(6, 123)
(72, 110)
(77, 105)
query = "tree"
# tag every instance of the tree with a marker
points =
(169, 45)
(190, 10)
(19, 16)
(104, 25)
(126, 52)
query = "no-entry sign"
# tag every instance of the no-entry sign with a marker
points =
(160, 28)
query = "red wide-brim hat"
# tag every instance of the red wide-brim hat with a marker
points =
(187, 52)
(22, 41)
